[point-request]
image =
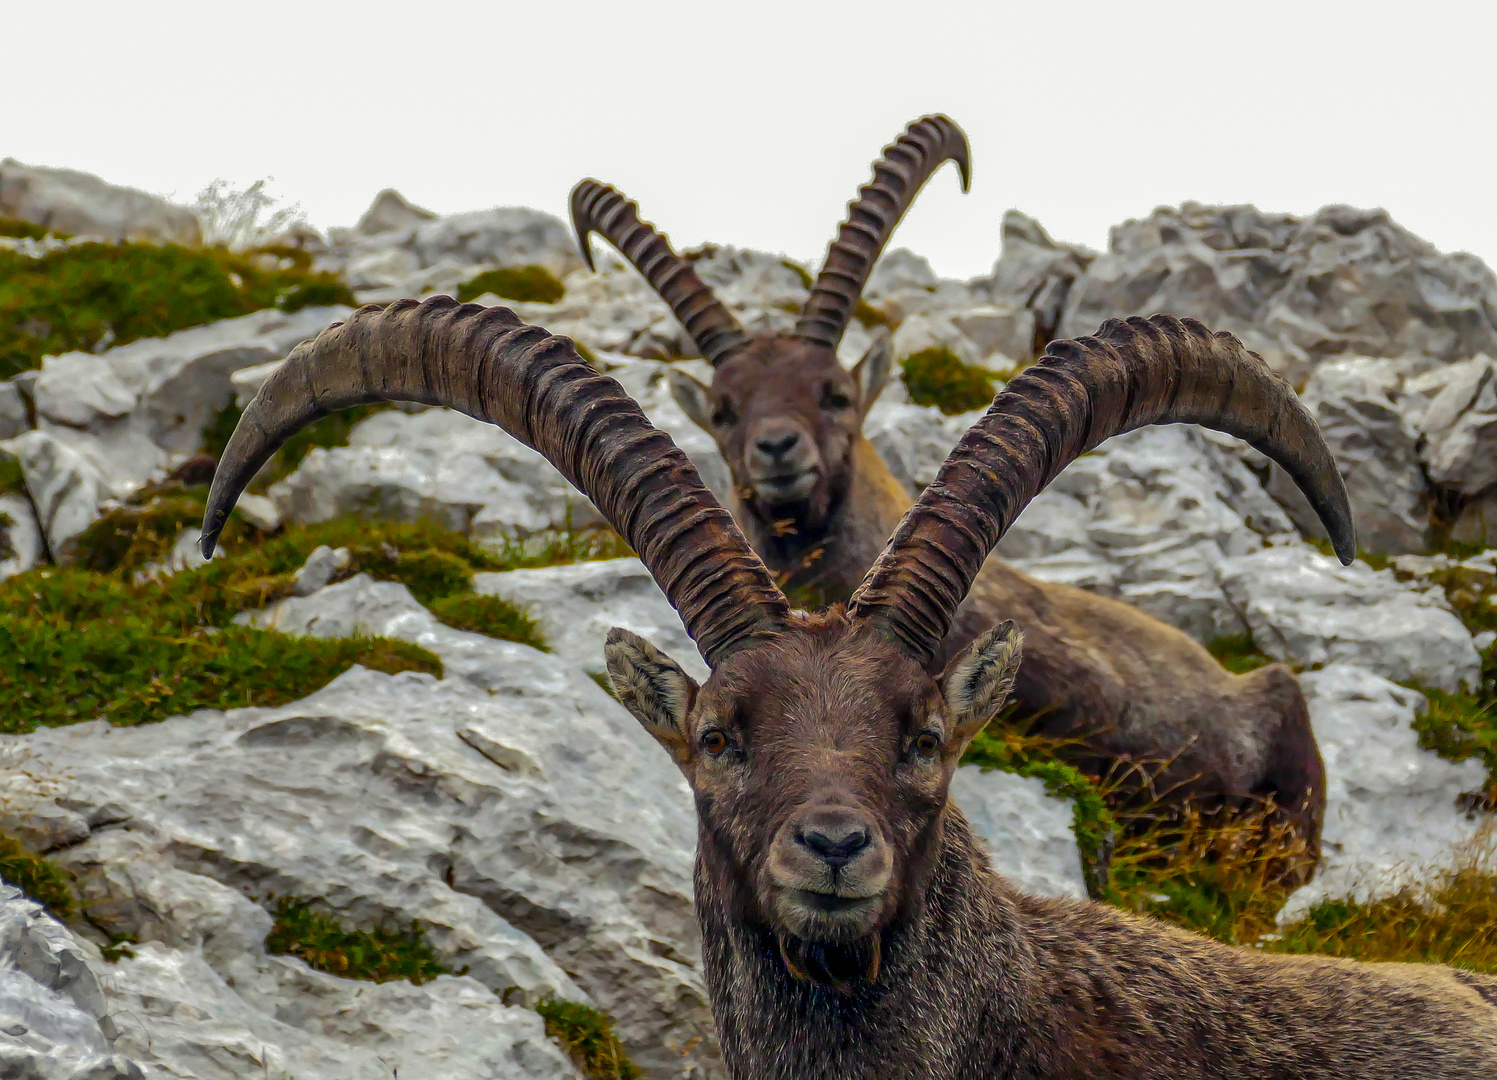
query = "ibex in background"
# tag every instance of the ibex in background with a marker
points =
(852, 927)
(817, 503)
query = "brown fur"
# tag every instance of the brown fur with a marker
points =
(1136, 689)
(948, 972)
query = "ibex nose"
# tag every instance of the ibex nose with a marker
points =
(777, 444)
(836, 842)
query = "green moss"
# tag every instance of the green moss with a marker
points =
(588, 1038)
(492, 616)
(12, 479)
(41, 879)
(533, 284)
(800, 271)
(7, 549)
(88, 296)
(870, 316)
(1462, 726)
(1095, 826)
(382, 954)
(1238, 654)
(24, 230)
(938, 377)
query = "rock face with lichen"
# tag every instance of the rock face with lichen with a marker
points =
(516, 811)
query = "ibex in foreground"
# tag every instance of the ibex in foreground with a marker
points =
(818, 503)
(852, 927)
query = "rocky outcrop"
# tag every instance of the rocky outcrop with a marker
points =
(1392, 810)
(1298, 290)
(81, 204)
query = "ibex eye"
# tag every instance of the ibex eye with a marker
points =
(927, 743)
(832, 398)
(714, 742)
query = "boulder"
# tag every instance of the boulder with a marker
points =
(577, 605)
(1298, 290)
(80, 204)
(54, 1016)
(1307, 609)
(1461, 426)
(65, 487)
(898, 270)
(437, 464)
(21, 545)
(1359, 404)
(1034, 276)
(1028, 832)
(1392, 811)
(914, 440)
(14, 414)
(390, 212)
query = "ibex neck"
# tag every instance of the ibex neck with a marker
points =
(822, 563)
(937, 989)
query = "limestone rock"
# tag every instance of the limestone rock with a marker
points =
(436, 464)
(1391, 808)
(1359, 404)
(1034, 275)
(1297, 290)
(1461, 425)
(577, 605)
(83, 205)
(1028, 832)
(13, 411)
(1307, 609)
(54, 1019)
(390, 211)
(65, 487)
(914, 440)
(20, 538)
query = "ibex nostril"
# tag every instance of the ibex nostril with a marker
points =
(837, 848)
(778, 445)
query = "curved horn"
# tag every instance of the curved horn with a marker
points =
(487, 363)
(602, 209)
(1134, 372)
(907, 163)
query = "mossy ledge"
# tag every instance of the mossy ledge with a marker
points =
(523, 284)
(938, 377)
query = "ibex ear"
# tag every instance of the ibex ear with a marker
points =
(872, 372)
(979, 681)
(694, 397)
(653, 687)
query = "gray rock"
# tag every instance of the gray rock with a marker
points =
(898, 270)
(1477, 522)
(1358, 403)
(390, 211)
(1034, 275)
(1028, 832)
(1461, 423)
(1307, 609)
(577, 605)
(54, 1022)
(20, 535)
(439, 465)
(319, 569)
(1297, 290)
(1391, 808)
(66, 488)
(914, 440)
(83, 205)
(13, 412)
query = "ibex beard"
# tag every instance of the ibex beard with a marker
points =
(820, 762)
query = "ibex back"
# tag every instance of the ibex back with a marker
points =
(818, 503)
(852, 928)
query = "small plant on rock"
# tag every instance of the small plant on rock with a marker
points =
(533, 284)
(587, 1037)
(382, 954)
(938, 377)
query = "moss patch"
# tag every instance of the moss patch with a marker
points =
(24, 230)
(938, 377)
(89, 296)
(533, 284)
(41, 879)
(382, 954)
(870, 316)
(492, 616)
(329, 432)
(587, 1037)
(12, 479)
(1238, 654)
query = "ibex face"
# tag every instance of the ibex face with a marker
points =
(820, 758)
(786, 416)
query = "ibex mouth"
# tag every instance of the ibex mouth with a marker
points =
(831, 903)
(785, 487)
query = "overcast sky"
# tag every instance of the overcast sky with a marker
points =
(754, 123)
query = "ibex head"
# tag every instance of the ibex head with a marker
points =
(819, 749)
(785, 414)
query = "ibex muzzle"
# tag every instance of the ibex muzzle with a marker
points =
(852, 928)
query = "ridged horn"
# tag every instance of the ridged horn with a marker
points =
(1132, 373)
(598, 208)
(487, 363)
(907, 163)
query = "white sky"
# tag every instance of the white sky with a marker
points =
(754, 123)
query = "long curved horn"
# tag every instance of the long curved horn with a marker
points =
(487, 363)
(598, 208)
(907, 163)
(1134, 372)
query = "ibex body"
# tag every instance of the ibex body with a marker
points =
(852, 929)
(817, 503)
